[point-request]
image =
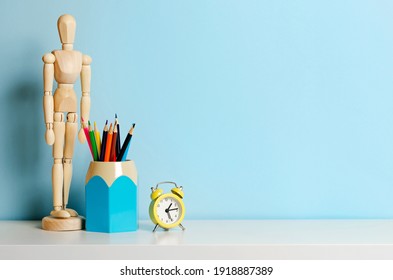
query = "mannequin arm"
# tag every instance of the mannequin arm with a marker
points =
(85, 100)
(49, 60)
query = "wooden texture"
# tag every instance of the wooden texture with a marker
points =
(57, 224)
(68, 66)
(66, 26)
(85, 77)
(64, 66)
(70, 134)
(65, 99)
(57, 169)
(49, 60)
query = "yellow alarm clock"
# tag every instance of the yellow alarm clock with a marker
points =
(167, 210)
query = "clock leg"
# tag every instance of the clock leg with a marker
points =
(155, 228)
(181, 226)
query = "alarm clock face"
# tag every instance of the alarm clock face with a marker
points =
(169, 210)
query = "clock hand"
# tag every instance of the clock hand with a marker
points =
(169, 207)
(167, 211)
(173, 209)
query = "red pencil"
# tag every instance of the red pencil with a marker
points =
(87, 134)
(114, 141)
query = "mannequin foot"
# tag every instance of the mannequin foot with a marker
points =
(72, 212)
(60, 214)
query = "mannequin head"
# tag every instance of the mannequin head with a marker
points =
(66, 26)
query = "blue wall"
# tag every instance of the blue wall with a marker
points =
(260, 109)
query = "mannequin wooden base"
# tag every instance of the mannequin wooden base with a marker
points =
(57, 224)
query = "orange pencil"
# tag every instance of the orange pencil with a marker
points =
(114, 141)
(108, 144)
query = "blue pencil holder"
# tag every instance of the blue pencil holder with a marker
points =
(111, 197)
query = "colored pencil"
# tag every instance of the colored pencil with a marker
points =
(114, 141)
(124, 149)
(98, 140)
(87, 135)
(125, 154)
(93, 142)
(103, 145)
(118, 137)
(108, 143)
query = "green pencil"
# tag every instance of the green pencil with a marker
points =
(93, 142)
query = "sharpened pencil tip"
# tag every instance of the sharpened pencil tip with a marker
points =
(131, 129)
(106, 122)
(115, 115)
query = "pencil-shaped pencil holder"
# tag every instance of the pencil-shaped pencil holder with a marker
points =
(111, 196)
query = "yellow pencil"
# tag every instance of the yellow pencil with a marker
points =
(98, 139)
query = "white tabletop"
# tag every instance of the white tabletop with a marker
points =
(211, 239)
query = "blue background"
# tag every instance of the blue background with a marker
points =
(260, 109)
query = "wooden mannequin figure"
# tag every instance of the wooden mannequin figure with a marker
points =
(64, 66)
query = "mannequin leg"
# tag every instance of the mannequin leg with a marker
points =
(57, 169)
(70, 136)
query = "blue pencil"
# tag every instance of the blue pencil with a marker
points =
(125, 154)
(124, 149)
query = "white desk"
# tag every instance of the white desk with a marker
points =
(261, 239)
